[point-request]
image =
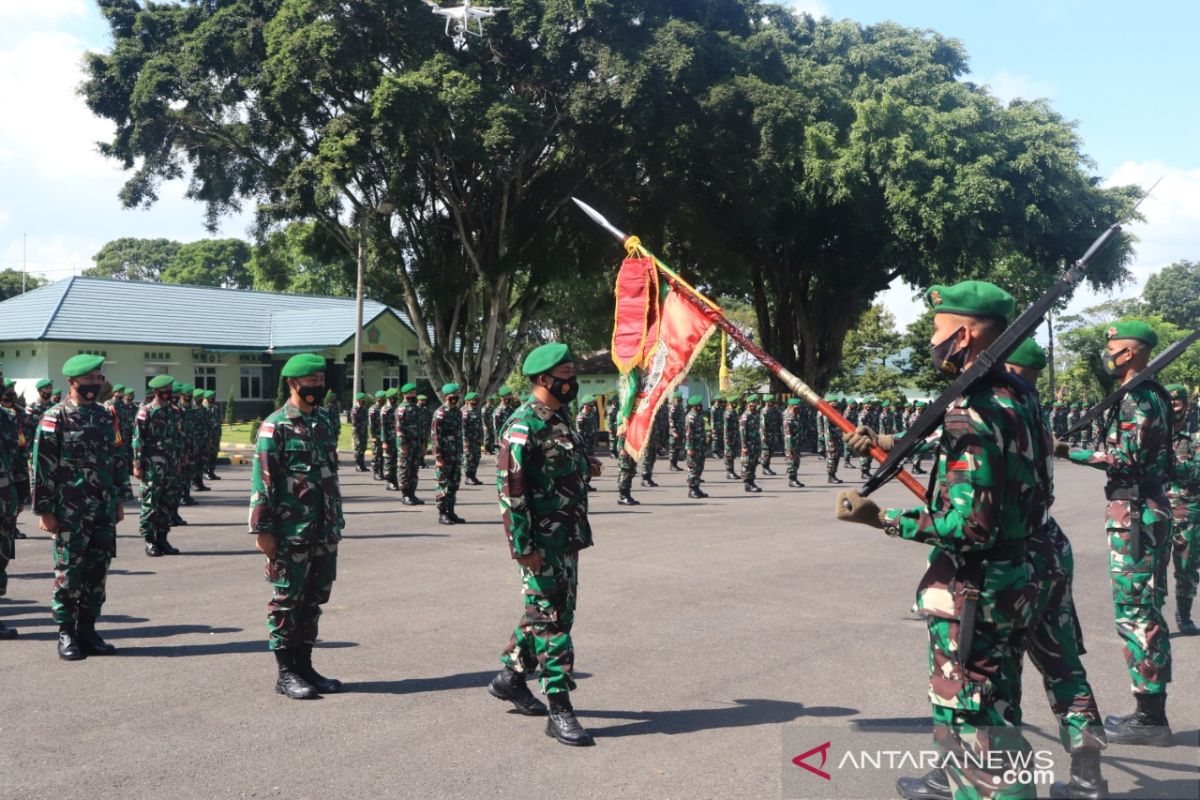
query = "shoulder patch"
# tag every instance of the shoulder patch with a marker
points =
(49, 423)
(266, 429)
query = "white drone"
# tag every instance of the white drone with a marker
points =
(461, 17)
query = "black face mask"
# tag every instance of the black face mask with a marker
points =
(163, 397)
(564, 390)
(945, 358)
(1109, 362)
(10, 396)
(89, 391)
(44, 397)
(311, 394)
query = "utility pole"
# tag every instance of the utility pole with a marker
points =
(1050, 332)
(24, 260)
(358, 303)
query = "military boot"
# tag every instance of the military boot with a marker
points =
(392, 486)
(768, 471)
(753, 487)
(445, 517)
(177, 520)
(188, 500)
(732, 476)
(649, 483)
(931, 786)
(795, 484)
(563, 725)
(89, 640)
(212, 475)
(360, 464)
(510, 685)
(304, 668)
(289, 681)
(1146, 725)
(198, 483)
(834, 478)
(1086, 781)
(152, 549)
(457, 519)
(1183, 617)
(69, 648)
(626, 499)
(7, 632)
(165, 547)
(696, 494)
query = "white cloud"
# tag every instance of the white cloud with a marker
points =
(1009, 86)
(55, 256)
(814, 8)
(22, 13)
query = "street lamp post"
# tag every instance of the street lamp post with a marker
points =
(383, 209)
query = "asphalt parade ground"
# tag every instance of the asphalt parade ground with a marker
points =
(716, 640)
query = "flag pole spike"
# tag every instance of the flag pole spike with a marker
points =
(599, 219)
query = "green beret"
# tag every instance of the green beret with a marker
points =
(768, 397)
(1074, 405)
(302, 365)
(82, 364)
(1133, 329)
(471, 396)
(210, 393)
(392, 392)
(545, 358)
(9, 383)
(382, 393)
(1029, 354)
(408, 387)
(360, 396)
(422, 397)
(971, 299)
(1177, 391)
(587, 398)
(505, 391)
(197, 393)
(449, 388)
(695, 400)
(752, 398)
(43, 383)
(920, 404)
(794, 401)
(887, 404)
(119, 387)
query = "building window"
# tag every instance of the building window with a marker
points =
(206, 378)
(252, 384)
(391, 378)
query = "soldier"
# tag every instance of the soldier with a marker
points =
(426, 417)
(887, 420)
(833, 444)
(447, 437)
(733, 440)
(1059, 419)
(772, 431)
(12, 450)
(626, 470)
(117, 403)
(1138, 461)
(852, 415)
(918, 455)
(540, 479)
(750, 433)
(407, 443)
(214, 435)
(991, 493)
(175, 484)
(1184, 493)
(80, 477)
(157, 449)
(657, 439)
(360, 425)
(678, 424)
(823, 435)
(473, 434)
(487, 415)
(586, 423)
(792, 425)
(717, 422)
(8, 398)
(296, 519)
(387, 420)
(1072, 420)
(504, 410)
(375, 425)
(697, 445)
(614, 409)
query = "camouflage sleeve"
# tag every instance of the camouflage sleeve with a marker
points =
(1188, 469)
(1120, 460)
(510, 483)
(120, 461)
(47, 449)
(435, 433)
(263, 492)
(969, 517)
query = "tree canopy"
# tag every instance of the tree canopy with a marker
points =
(11, 281)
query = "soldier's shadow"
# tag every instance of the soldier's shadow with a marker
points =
(742, 713)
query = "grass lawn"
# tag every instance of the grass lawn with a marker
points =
(239, 433)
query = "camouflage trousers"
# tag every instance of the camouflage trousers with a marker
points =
(833, 454)
(626, 467)
(678, 449)
(750, 456)
(409, 468)
(1139, 591)
(1056, 649)
(301, 576)
(8, 529)
(730, 456)
(769, 449)
(792, 458)
(449, 476)
(542, 639)
(83, 548)
(173, 492)
(360, 446)
(155, 519)
(718, 442)
(471, 454)
(377, 459)
(1185, 553)
(695, 468)
(649, 458)
(391, 456)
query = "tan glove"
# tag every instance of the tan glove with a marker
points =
(1061, 449)
(853, 507)
(861, 441)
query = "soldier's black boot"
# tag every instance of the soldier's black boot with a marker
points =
(177, 520)
(445, 517)
(18, 535)
(626, 499)
(834, 478)
(198, 483)
(1183, 617)
(212, 475)
(392, 486)
(695, 493)
(795, 484)
(1147, 725)
(649, 483)
(1086, 781)
(6, 632)
(188, 500)
(152, 548)
(931, 786)
(457, 519)
(510, 685)
(563, 725)
(69, 648)
(304, 668)
(732, 476)
(165, 547)
(768, 471)
(360, 464)
(289, 681)
(752, 487)
(89, 640)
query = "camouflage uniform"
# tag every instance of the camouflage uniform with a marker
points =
(447, 436)
(991, 492)
(1072, 419)
(587, 425)
(658, 439)
(772, 432)
(823, 436)
(678, 423)
(360, 424)
(833, 446)
(12, 439)
(503, 411)
(543, 503)
(733, 437)
(1138, 462)
(717, 420)
(472, 433)
(697, 445)
(375, 425)
(80, 476)
(295, 496)
(750, 435)
(426, 417)
(487, 414)
(1184, 494)
(615, 449)
(387, 422)
(792, 425)
(157, 449)
(408, 445)
(626, 467)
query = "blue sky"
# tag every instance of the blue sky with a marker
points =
(1125, 73)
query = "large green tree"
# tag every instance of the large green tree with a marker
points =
(300, 260)
(211, 262)
(1174, 294)
(133, 259)
(13, 282)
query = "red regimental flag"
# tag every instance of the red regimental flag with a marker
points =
(682, 331)
(636, 316)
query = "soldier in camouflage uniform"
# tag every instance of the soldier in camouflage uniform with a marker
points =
(1138, 462)
(833, 443)
(80, 478)
(375, 425)
(487, 415)
(426, 416)
(446, 433)
(192, 433)
(543, 503)
(697, 445)
(991, 493)
(387, 421)
(677, 420)
(174, 487)
(1058, 419)
(214, 443)
(1184, 493)
(772, 431)
(717, 423)
(116, 403)
(12, 450)
(750, 433)
(614, 410)
(473, 434)
(296, 518)
(823, 436)
(626, 470)
(853, 415)
(1072, 420)
(408, 442)
(792, 427)
(588, 426)
(157, 449)
(504, 409)
(8, 396)
(733, 439)
(360, 425)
